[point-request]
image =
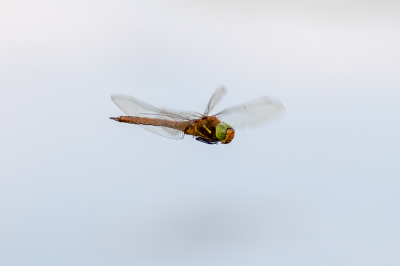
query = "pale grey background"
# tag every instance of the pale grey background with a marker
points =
(319, 186)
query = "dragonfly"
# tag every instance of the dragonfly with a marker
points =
(209, 129)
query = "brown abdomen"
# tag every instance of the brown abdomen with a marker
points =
(151, 122)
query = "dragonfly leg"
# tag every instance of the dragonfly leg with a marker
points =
(206, 141)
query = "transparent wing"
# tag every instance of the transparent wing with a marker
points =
(135, 107)
(165, 131)
(186, 115)
(252, 114)
(217, 96)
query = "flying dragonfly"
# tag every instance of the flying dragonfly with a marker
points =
(210, 129)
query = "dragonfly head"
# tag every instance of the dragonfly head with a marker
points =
(224, 133)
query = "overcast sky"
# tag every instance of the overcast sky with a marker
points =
(318, 186)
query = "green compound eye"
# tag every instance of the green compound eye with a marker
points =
(220, 130)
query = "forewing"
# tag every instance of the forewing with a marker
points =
(187, 115)
(252, 114)
(135, 107)
(217, 96)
